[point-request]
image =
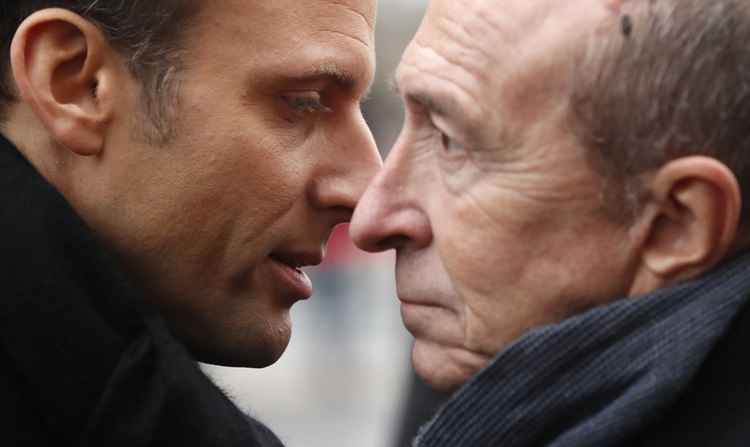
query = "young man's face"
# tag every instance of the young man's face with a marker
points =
(270, 152)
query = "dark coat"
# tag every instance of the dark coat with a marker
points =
(669, 368)
(715, 409)
(82, 363)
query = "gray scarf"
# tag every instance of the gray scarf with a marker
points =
(599, 378)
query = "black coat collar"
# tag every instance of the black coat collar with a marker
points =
(100, 367)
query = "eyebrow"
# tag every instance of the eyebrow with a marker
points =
(423, 97)
(333, 72)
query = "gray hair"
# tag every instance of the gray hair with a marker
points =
(672, 80)
(147, 33)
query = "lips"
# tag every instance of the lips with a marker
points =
(297, 260)
(416, 302)
(286, 268)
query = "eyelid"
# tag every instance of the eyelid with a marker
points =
(442, 128)
(448, 140)
(306, 102)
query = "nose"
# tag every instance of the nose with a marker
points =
(391, 213)
(347, 167)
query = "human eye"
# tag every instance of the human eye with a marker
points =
(304, 104)
(450, 145)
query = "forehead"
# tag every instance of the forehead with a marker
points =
(290, 12)
(328, 35)
(481, 32)
(479, 53)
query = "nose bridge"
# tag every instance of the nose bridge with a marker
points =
(360, 159)
(345, 167)
(389, 213)
(392, 177)
(388, 188)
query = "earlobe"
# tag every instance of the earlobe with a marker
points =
(60, 64)
(691, 220)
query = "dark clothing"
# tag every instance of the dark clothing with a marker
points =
(715, 409)
(421, 404)
(82, 361)
(667, 369)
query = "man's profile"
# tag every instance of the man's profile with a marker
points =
(166, 169)
(568, 201)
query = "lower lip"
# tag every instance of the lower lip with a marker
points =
(410, 309)
(295, 282)
(416, 315)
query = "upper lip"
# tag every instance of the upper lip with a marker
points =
(298, 259)
(417, 302)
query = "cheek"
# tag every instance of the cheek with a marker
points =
(252, 175)
(481, 252)
(524, 258)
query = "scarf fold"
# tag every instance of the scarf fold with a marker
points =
(599, 378)
(98, 366)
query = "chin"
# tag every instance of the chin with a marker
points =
(445, 369)
(246, 347)
(252, 356)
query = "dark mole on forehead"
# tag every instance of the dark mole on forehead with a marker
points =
(626, 25)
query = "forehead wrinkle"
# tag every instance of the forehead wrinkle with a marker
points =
(454, 92)
(349, 7)
(471, 23)
(496, 20)
(443, 97)
(462, 49)
(431, 59)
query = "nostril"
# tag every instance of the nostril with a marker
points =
(391, 242)
(343, 214)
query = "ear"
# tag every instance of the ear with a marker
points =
(64, 70)
(689, 223)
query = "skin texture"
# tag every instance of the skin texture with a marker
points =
(490, 203)
(270, 153)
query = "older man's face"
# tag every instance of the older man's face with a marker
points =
(486, 197)
(271, 151)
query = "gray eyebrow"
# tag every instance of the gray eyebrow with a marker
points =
(431, 103)
(422, 97)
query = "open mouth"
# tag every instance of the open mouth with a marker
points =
(297, 261)
(291, 264)
(288, 274)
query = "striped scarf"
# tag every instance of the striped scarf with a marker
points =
(599, 378)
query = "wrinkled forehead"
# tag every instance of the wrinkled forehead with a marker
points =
(500, 62)
(508, 22)
(490, 35)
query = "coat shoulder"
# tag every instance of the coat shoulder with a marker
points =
(715, 408)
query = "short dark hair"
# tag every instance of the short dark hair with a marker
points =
(673, 79)
(147, 33)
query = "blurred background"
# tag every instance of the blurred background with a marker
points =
(345, 380)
